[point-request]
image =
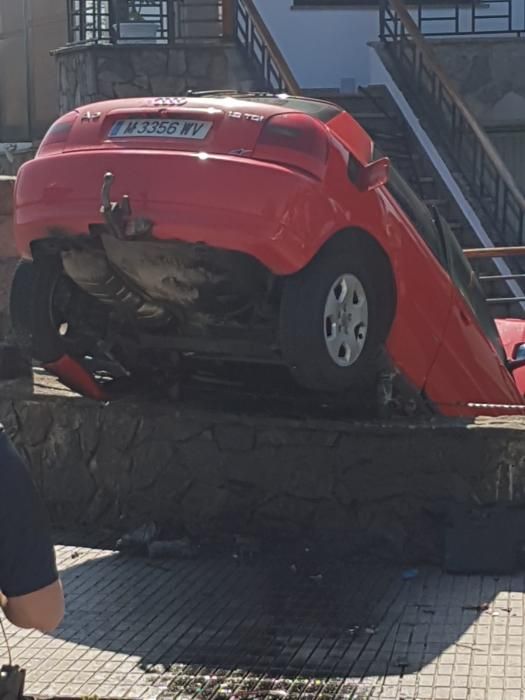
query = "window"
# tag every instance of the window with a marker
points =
(334, 4)
(315, 108)
(320, 4)
(418, 213)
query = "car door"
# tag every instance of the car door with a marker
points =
(470, 365)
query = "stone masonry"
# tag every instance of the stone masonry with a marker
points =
(8, 254)
(93, 73)
(483, 71)
(11, 164)
(208, 474)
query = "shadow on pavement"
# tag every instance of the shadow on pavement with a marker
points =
(278, 618)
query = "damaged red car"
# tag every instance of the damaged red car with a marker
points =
(254, 230)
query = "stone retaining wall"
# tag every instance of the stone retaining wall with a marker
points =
(8, 254)
(483, 70)
(212, 474)
(92, 73)
(12, 160)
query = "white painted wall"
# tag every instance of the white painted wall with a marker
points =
(322, 47)
(327, 47)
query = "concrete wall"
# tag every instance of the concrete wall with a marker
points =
(389, 485)
(329, 47)
(28, 86)
(325, 48)
(88, 74)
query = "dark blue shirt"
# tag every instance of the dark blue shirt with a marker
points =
(27, 557)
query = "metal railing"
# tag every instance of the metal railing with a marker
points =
(169, 21)
(470, 17)
(479, 168)
(510, 278)
(260, 47)
(144, 21)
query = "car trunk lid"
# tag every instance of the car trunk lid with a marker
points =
(188, 127)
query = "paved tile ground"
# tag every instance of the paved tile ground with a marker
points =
(215, 628)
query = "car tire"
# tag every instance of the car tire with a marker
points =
(21, 307)
(336, 314)
(37, 323)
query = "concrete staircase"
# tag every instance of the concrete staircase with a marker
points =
(377, 112)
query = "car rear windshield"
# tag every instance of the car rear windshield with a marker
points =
(323, 111)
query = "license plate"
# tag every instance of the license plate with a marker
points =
(160, 128)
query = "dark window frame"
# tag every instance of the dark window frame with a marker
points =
(349, 4)
(419, 215)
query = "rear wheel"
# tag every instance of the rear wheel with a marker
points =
(21, 307)
(49, 312)
(336, 314)
(52, 317)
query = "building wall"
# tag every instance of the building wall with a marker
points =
(30, 29)
(323, 47)
(329, 48)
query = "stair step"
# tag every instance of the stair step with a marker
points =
(389, 136)
(378, 114)
(405, 156)
(435, 202)
(362, 116)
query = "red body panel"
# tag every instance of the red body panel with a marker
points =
(203, 192)
(77, 378)
(468, 369)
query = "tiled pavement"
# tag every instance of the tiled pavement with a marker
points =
(213, 628)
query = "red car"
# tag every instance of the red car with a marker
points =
(246, 229)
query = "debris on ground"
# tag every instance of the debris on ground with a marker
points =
(173, 549)
(410, 574)
(482, 607)
(247, 549)
(137, 541)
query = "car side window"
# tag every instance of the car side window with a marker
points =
(418, 213)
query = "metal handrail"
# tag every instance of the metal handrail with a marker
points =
(469, 18)
(159, 21)
(501, 252)
(257, 41)
(167, 21)
(475, 157)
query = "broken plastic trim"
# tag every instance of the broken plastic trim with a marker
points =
(77, 378)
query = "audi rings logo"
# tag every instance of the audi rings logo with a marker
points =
(169, 101)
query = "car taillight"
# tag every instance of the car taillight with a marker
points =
(57, 134)
(296, 140)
